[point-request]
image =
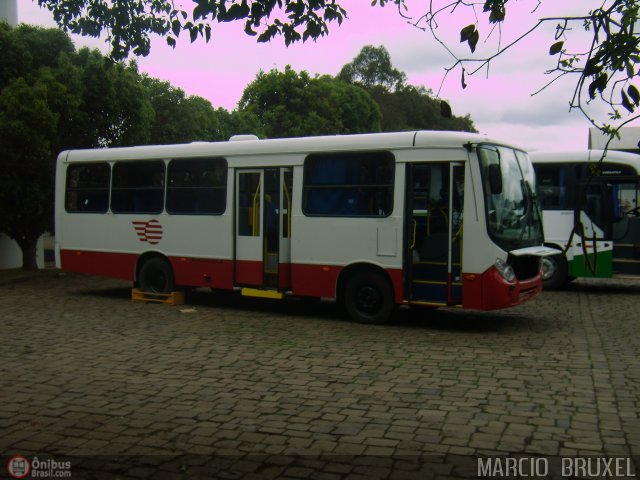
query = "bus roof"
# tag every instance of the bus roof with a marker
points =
(583, 156)
(246, 145)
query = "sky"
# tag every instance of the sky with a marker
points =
(500, 101)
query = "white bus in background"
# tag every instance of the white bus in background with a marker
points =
(591, 212)
(373, 221)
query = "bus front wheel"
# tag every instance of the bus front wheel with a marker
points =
(156, 276)
(368, 298)
(554, 272)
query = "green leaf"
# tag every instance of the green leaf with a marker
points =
(634, 94)
(176, 27)
(630, 69)
(199, 12)
(248, 30)
(599, 84)
(626, 103)
(556, 48)
(473, 40)
(592, 67)
(466, 32)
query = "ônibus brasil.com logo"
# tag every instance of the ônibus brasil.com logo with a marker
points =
(20, 467)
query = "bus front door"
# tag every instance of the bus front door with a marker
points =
(263, 226)
(607, 229)
(592, 246)
(433, 263)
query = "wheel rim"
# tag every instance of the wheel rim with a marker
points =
(548, 267)
(368, 299)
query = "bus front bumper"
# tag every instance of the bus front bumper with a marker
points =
(490, 291)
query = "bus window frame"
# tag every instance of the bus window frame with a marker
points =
(223, 187)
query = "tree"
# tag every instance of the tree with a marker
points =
(403, 107)
(52, 99)
(603, 67)
(116, 109)
(372, 67)
(180, 118)
(239, 122)
(292, 104)
(28, 131)
(413, 108)
(130, 23)
(604, 70)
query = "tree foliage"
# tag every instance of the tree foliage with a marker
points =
(129, 24)
(372, 67)
(53, 98)
(292, 104)
(605, 70)
(404, 107)
(414, 108)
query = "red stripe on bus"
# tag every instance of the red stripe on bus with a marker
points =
(322, 280)
(304, 280)
(249, 272)
(199, 272)
(116, 265)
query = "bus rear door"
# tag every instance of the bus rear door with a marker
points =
(262, 236)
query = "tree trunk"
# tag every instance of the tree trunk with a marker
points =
(29, 251)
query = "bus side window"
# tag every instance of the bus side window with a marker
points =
(138, 187)
(87, 188)
(348, 184)
(197, 186)
(552, 187)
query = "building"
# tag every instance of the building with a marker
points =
(629, 140)
(9, 11)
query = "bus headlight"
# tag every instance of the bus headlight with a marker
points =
(505, 270)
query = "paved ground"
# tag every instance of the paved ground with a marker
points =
(229, 387)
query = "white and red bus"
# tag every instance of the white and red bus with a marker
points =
(373, 221)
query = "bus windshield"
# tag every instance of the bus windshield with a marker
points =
(511, 204)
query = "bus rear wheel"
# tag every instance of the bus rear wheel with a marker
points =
(368, 298)
(156, 276)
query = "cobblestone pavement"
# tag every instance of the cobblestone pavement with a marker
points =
(231, 387)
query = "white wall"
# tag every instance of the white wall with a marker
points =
(11, 255)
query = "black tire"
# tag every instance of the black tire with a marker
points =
(368, 298)
(555, 272)
(156, 276)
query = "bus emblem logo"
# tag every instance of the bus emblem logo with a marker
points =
(150, 231)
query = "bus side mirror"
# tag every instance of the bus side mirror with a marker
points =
(495, 179)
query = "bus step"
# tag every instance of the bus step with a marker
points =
(254, 292)
(173, 298)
